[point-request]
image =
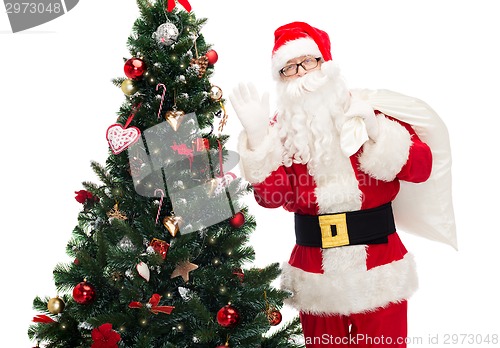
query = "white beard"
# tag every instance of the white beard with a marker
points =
(310, 113)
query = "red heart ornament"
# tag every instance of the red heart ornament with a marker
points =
(120, 138)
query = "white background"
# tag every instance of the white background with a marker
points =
(57, 101)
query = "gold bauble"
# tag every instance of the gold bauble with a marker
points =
(128, 87)
(215, 93)
(55, 305)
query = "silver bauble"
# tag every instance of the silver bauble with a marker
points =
(166, 34)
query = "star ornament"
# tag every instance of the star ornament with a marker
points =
(115, 213)
(183, 268)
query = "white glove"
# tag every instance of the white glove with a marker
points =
(364, 111)
(252, 111)
(352, 136)
(360, 124)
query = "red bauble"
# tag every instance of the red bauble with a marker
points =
(228, 316)
(237, 220)
(239, 273)
(274, 317)
(84, 293)
(134, 68)
(212, 57)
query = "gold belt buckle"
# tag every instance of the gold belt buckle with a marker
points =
(327, 239)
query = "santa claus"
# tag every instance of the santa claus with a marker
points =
(336, 163)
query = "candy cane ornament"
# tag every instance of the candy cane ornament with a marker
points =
(162, 97)
(162, 194)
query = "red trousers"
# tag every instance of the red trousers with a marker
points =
(385, 327)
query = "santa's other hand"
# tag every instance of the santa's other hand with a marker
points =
(252, 111)
(363, 110)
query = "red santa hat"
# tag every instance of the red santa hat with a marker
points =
(298, 39)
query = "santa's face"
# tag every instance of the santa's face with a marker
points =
(310, 110)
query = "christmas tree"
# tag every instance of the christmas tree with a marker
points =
(160, 249)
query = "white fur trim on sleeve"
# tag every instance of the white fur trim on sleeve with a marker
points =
(256, 165)
(384, 158)
(350, 291)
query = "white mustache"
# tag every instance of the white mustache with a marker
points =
(310, 82)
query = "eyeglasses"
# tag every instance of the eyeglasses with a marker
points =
(307, 64)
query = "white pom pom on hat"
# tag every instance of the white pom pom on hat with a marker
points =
(297, 39)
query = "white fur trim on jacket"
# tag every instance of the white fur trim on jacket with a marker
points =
(293, 49)
(384, 158)
(256, 165)
(348, 287)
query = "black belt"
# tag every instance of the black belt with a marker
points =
(369, 226)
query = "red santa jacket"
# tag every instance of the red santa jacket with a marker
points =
(347, 279)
